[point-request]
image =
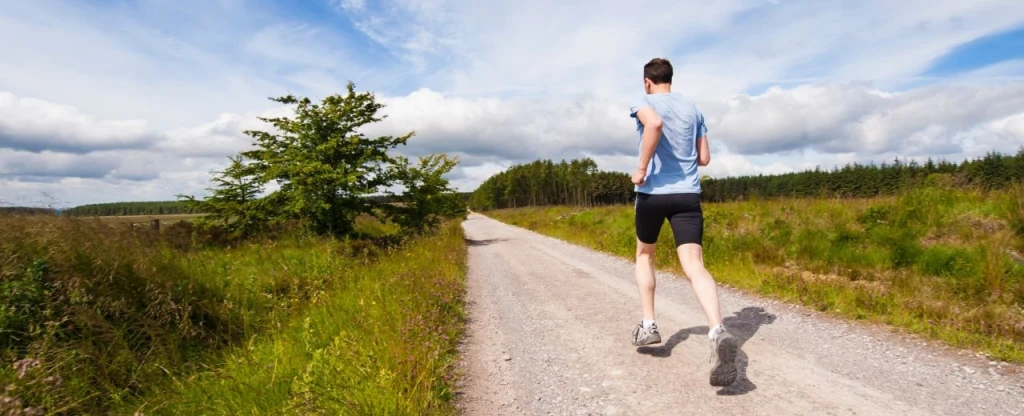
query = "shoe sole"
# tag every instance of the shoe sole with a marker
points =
(724, 373)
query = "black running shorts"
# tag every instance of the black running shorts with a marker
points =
(683, 212)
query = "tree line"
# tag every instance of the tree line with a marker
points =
(544, 182)
(154, 207)
(992, 171)
(580, 183)
(26, 210)
(131, 208)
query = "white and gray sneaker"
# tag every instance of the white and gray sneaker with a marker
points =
(724, 346)
(646, 336)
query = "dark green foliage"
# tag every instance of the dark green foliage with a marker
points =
(102, 307)
(132, 208)
(23, 297)
(326, 171)
(544, 182)
(949, 262)
(427, 199)
(993, 171)
(26, 211)
(234, 202)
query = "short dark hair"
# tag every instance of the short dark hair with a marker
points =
(659, 71)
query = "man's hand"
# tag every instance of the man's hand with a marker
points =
(639, 176)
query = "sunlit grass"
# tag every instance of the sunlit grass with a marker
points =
(381, 341)
(934, 261)
(100, 319)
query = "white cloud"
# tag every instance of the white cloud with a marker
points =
(220, 138)
(1012, 70)
(73, 191)
(1012, 127)
(36, 125)
(856, 118)
(512, 128)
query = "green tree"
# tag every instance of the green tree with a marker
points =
(327, 172)
(427, 197)
(234, 202)
(324, 166)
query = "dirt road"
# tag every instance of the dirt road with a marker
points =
(549, 334)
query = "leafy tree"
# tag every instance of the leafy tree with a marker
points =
(427, 197)
(234, 202)
(326, 172)
(324, 166)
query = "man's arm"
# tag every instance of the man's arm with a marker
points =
(703, 151)
(648, 142)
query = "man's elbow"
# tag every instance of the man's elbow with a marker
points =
(654, 124)
(704, 160)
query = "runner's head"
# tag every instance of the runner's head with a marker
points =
(657, 72)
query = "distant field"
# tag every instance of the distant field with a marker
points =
(940, 262)
(145, 219)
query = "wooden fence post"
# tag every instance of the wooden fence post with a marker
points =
(154, 225)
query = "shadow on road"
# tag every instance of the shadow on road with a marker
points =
(743, 324)
(665, 350)
(487, 242)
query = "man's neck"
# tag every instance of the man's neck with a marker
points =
(661, 89)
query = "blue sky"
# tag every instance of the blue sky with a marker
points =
(987, 50)
(139, 100)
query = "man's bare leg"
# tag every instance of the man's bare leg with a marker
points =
(704, 287)
(646, 333)
(722, 344)
(645, 277)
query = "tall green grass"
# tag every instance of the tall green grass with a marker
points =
(938, 262)
(101, 319)
(381, 339)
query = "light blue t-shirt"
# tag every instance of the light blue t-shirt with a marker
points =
(673, 168)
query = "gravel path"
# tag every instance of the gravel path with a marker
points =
(549, 334)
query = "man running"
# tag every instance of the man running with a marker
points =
(673, 143)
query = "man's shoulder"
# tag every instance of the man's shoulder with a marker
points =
(684, 101)
(639, 103)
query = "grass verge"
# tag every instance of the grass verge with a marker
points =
(380, 341)
(100, 319)
(942, 263)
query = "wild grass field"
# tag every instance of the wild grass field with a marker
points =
(143, 220)
(101, 319)
(943, 263)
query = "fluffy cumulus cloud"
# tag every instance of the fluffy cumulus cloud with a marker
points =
(517, 129)
(46, 147)
(36, 125)
(133, 106)
(1010, 128)
(839, 118)
(219, 138)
